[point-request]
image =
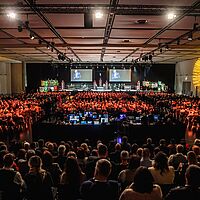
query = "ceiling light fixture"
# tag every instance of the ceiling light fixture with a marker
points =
(98, 14)
(190, 37)
(32, 35)
(171, 16)
(11, 15)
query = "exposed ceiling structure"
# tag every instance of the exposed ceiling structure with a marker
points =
(129, 31)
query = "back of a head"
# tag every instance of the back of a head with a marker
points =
(124, 155)
(71, 165)
(103, 168)
(146, 153)
(191, 157)
(149, 140)
(134, 162)
(102, 150)
(61, 149)
(161, 161)
(47, 158)
(35, 162)
(143, 180)
(179, 148)
(40, 143)
(193, 176)
(8, 160)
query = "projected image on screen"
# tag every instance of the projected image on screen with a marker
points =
(120, 75)
(81, 75)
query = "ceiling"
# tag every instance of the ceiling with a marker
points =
(117, 37)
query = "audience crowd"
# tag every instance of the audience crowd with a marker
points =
(73, 170)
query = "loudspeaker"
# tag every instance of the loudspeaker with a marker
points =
(88, 21)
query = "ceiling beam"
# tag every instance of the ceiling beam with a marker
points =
(109, 25)
(50, 25)
(121, 9)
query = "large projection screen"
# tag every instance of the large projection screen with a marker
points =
(120, 75)
(81, 75)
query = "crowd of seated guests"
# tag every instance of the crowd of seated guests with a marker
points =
(17, 113)
(73, 170)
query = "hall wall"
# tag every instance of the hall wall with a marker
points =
(183, 73)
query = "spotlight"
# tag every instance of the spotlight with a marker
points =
(48, 47)
(32, 35)
(11, 15)
(98, 14)
(171, 16)
(190, 37)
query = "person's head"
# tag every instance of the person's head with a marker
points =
(179, 148)
(117, 147)
(149, 140)
(29, 154)
(103, 168)
(71, 165)
(21, 154)
(162, 142)
(193, 176)
(8, 160)
(71, 154)
(61, 149)
(124, 155)
(47, 159)
(143, 180)
(124, 139)
(72, 170)
(35, 163)
(145, 153)
(41, 143)
(26, 145)
(161, 162)
(191, 157)
(134, 162)
(102, 151)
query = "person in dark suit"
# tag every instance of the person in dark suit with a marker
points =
(102, 154)
(191, 190)
(99, 187)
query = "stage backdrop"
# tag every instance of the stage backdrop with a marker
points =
(43, 71)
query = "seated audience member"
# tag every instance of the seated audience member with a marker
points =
(11, 181)
(175, 159)
(163, 146)
(126, 176)
(115, 156)
(38, 181)
(102, 154)
(71, 179)
(100, 187)
(150, 146)
(145, 160)
(124, 156)
(61, 158)
(192, 188)
(161, 171)
(125, 145)
(52, 168)
(191, 160)
(142, 187)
